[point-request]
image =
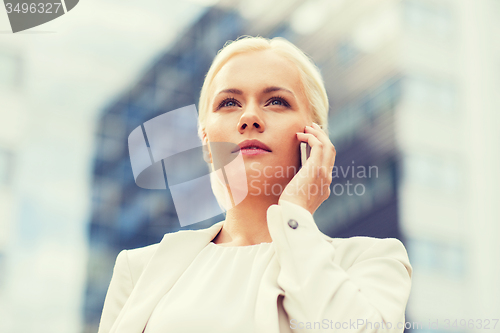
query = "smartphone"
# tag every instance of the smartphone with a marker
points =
(305, 151)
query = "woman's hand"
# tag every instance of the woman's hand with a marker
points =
(311, 185)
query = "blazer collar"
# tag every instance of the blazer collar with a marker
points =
(174, 254)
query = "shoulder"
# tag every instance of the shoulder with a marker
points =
(136, 260)
(354, 250)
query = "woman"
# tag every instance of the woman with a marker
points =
(266, 267)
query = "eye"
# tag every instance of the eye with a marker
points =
(228, 102)
(278, 100)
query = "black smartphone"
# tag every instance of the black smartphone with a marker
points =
(305, 151)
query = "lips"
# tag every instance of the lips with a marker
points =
(255, 144)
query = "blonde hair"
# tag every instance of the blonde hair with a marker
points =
(309, 74)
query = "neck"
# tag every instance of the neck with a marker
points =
(246, 223)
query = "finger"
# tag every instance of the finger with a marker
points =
(319, 133)
(328, 148)
(319, 130)
(330, 156)
(316, 155)
(312, 140)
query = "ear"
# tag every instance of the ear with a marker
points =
(207, 155)
(204, 136)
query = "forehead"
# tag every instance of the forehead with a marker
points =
(257, 70)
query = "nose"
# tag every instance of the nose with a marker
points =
(251, 118)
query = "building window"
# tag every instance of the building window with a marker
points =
(10, 70)
(2, 272)
(362, 194)
(344, 123)
(437, 257)
(6, 159)
(433, 171)
(431, 19)
(427, 93)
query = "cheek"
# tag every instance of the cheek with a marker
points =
(290, 142)
(214, 129)
(219, 127)
(289, 145)
(289, 132)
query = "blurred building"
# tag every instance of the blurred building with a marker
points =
(400, 77)
(52, 79)
(11, 133)
(413, 81)
(11, 112)
(39, 275)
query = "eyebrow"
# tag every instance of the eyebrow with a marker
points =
(265, 91)
(272, 89)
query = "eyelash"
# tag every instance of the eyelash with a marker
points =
(281, 99)
(272, 99)
(230, 99)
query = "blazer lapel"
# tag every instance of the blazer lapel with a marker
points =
(174, 254)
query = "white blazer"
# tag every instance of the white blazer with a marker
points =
(358, 284)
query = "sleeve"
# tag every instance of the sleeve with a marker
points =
(369, 296)
(119, 290)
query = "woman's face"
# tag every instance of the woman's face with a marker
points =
(258, 95)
